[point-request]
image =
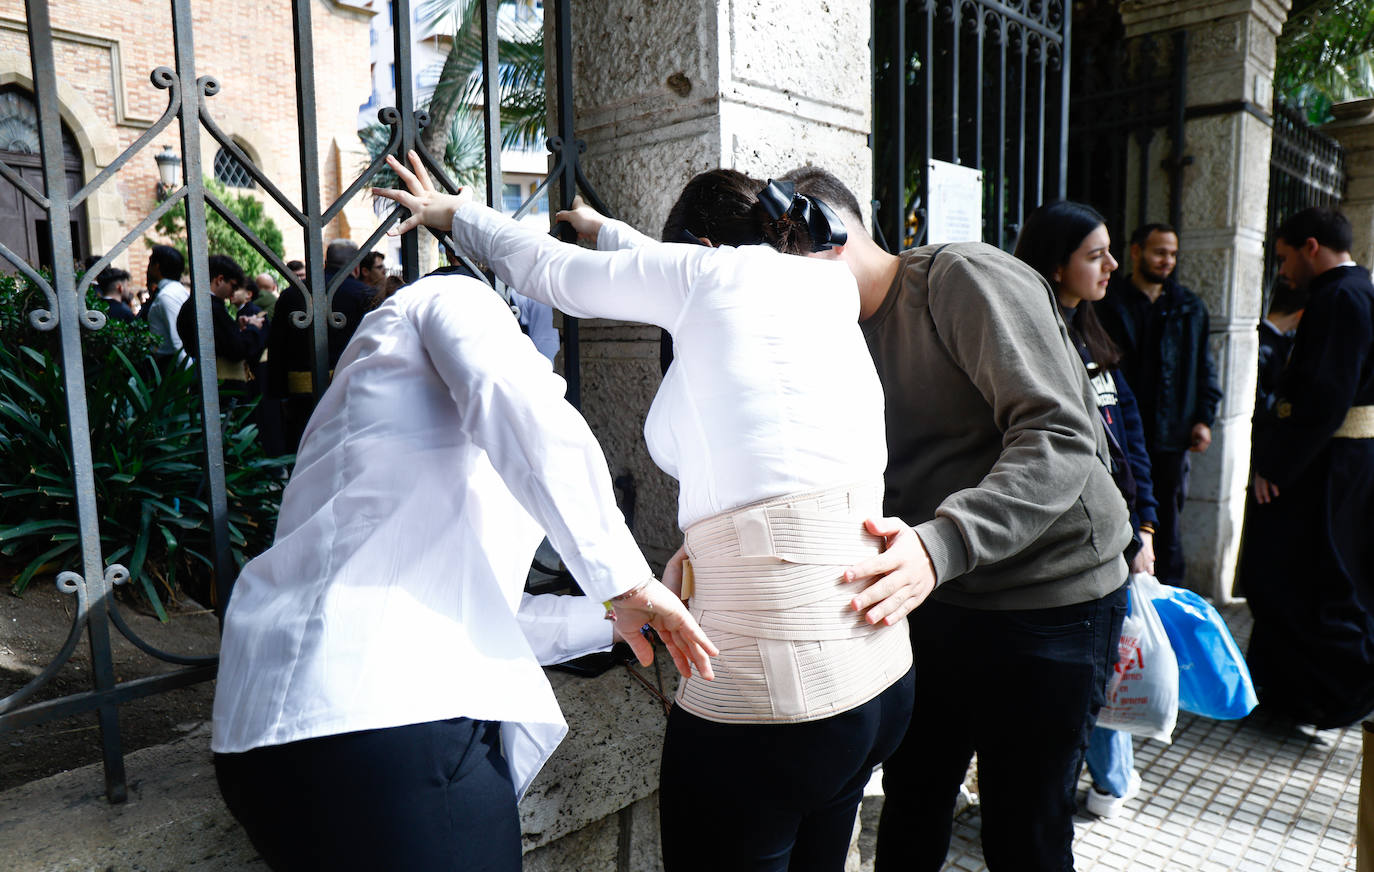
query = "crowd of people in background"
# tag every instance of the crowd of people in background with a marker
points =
(258, 354)
(254, 360)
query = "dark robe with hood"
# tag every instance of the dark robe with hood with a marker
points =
(1307, 559)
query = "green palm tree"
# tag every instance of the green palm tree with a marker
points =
(456, 133)
(459, 89)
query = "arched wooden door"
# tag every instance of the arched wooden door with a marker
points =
(23, 225)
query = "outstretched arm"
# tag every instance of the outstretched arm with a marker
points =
(606, 234)
(648, 284)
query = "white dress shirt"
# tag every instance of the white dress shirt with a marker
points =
(390, 593)
(163, 312)
(771, 391)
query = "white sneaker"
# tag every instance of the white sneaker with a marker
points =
(1105, 805)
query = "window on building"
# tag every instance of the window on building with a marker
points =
(18, 122)
(511, 197)
(232, 173)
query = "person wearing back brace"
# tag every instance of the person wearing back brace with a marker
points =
(770, 417)
(995, 458)
(1307, 567)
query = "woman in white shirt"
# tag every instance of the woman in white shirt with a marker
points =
(771, 420)
(379, 703)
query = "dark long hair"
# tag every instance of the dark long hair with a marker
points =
(723, 206)
(1048, 238)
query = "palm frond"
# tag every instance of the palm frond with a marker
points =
(521, 54)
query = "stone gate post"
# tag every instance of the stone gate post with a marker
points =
(1354, 130)
(1231, 49)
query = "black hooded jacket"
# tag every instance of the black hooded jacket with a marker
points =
(1165, 358)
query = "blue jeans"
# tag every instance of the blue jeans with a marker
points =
(1110, 758)
(1020, 688)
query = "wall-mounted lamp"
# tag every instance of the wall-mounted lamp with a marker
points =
(167, 165)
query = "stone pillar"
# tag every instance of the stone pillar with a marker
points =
(1354, 130)
(668, 90)
(1231, 45)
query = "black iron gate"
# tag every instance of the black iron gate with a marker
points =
(190, 106)
(1127, 93)
(980, 83)
(1306, 168)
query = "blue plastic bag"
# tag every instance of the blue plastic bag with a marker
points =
(1213, 679)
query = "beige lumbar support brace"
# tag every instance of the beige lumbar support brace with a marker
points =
(765, 582)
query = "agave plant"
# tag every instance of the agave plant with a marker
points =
(147, 451)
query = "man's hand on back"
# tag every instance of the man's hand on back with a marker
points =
(901, 577)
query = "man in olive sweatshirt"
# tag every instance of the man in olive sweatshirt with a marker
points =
(997, 460)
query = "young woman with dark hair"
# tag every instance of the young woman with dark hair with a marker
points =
(771, 419)
(1068, 244)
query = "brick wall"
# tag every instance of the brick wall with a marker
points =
(105, 51)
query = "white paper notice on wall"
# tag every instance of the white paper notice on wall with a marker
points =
(955, 213)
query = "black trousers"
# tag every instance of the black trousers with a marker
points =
(772, 797)
(1022, 689)
(1169, 475)
(433, 796)
(296, 411)
(1307, 565)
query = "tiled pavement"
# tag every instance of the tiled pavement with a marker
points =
(1252, 795)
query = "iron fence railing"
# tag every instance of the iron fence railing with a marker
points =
(980, 83)
(190, 106)
(1129, 93)
(1306, 168)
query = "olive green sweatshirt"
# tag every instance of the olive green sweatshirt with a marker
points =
(996, 453)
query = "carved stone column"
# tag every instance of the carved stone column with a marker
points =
(1354, 130)
(1231, 49)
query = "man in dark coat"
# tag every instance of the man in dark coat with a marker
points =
(1161, 328)
(290, 348)
(112, 284)
(1307, 563)
(238, 339)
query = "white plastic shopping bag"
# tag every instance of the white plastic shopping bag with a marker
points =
(1142, 693)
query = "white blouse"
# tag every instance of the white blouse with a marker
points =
(772, 389)
(390, 594)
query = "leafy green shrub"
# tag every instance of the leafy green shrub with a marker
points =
(221, 238)
(147, 445)
(1325, 55)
